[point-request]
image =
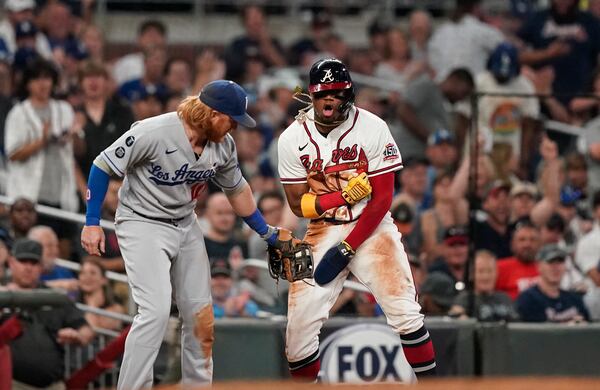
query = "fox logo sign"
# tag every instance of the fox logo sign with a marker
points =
(364, 353)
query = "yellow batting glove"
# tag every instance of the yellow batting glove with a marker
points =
(357, 189)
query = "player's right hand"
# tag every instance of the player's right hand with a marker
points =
(357, 189)
(92, 240)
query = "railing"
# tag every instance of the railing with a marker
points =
(60, 214)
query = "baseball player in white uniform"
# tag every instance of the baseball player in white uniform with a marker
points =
(337, 165)
(167, 161)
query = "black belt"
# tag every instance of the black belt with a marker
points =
(170, 221)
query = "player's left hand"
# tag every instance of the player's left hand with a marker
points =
(92, 240)
(333, 262)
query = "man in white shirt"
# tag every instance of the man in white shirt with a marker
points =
(462, 42)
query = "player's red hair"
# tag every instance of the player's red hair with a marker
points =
(195, 113)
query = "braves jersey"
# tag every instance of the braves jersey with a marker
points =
(163, 177)
(362, 143)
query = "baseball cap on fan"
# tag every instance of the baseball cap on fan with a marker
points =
(19, 5)
(228, 98)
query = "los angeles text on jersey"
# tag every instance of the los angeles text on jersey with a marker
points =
(182, 175)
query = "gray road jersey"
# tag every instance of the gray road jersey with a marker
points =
(162, 175)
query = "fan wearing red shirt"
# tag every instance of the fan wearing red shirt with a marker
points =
(519, 272)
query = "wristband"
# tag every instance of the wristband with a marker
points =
(308, 205)
(257, 223)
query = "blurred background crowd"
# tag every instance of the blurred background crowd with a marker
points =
(532, 214)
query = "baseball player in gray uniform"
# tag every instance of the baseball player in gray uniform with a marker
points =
(167, 161)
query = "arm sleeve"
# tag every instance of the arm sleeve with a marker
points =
(376, 209)
(133, 146)
(97, 187)
(382, 153)
(229, 176)
(291, 170)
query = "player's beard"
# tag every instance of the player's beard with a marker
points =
(213, 135)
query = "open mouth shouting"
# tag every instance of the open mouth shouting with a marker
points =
(328, 110)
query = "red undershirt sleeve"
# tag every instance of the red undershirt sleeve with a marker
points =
(378, 206)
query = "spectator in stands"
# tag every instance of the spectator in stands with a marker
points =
(546, 301)
(445, 213)
(250, 143)
(423, 110)
(302, 51)
(151, 34)
(453, 254)
(520, 271)
(257, 44)
(39, 144)
(567, 209)
(38, 353)
(92, 38)
(404, 219)
(377, 33)
(488, 304)
(413, 184)
(510, 120)
(5, 242)
(447, 48)
(250, 282)
(53, 275)
(207, 67)
(587, 108)
(419, 32)
(219, 239)
(552, 231)
(437, 294)
(568, 40)
(95, 291)
(57, 23)
(442, 155)
(397, 65)
(18, 11)
(152, 81)
(587, 258)
(147, 103)
(226, 302)
(491, 229)
(102, 119)
(271, 205)
(178, 77)
(22, 217)
(576, 170)
(523, 197)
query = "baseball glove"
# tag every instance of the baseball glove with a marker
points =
(290, 258)
(357, 188)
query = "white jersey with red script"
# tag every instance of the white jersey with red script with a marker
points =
(363, 143)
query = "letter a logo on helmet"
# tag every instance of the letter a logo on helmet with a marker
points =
(328, 77)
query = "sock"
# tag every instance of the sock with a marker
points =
(418, 350)
(306, 370)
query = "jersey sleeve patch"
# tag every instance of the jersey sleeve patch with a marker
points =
(390, 152)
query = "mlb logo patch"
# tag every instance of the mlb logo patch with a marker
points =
(390, 152)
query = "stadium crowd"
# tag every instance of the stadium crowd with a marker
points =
(534, 213)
